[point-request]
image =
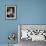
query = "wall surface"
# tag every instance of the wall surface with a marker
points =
(32, 11)
(28, 12)
(7, 26)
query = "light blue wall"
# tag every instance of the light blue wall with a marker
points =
(7, 26)
(32, 11)
(28, 12)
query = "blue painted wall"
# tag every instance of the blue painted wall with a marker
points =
(28, 12)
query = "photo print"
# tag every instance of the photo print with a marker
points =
(10, 12)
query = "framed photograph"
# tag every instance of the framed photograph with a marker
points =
(33, 32)
(10, 12)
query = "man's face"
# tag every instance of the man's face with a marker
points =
(10, 12)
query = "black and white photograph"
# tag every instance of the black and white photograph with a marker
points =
(10, 12)
(31, 34)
